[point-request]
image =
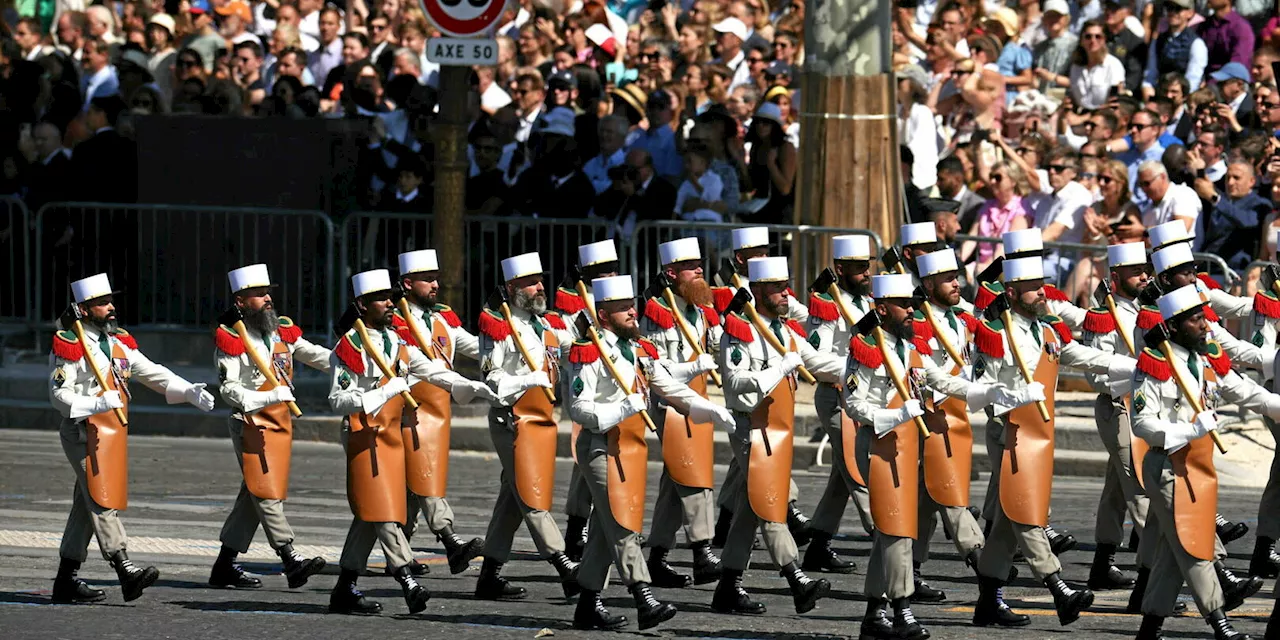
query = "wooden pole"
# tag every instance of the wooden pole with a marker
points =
(1192, 398)
(261, 364)
(524, 351)
(380, 362)
(617, 375)
(899, 383)
(450, 183)
(97, 373)
(1022, 364)
(687, 332)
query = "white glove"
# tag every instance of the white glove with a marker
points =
(609, 415)
(372, 400)
(686, 371)
(632, 404)
(514, 385)
(885, 420)
(108, 401)
(1204, 422)
(464, 391)
(703, 410)
(706, 363)
(1120, 376)
(197, 397)
(1013, 398)
(792, 361)
(980, 396)
(280, 394)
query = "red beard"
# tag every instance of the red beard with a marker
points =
(697, 292)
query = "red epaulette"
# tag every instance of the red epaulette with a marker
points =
(1059, 326)
(921, 327)
(583, 352)
(349, 353)
(1148, 317)
(989, 338)
(228, 341)
(970, 321)
(1267, 304)
(450, 316)
(657, 312)
(402, 329)
(126, 338)
(1053, 293)
(67, 346)
(710, 314)
(798, 328)
(1154, 364)
(1098, 320)
(864, 350)
(738, 327)
(1208, 282)
(493, 325)
(987, 293)
(721, 297)
(555, 320)
(648, 348)
(823, 306)
(289, 332)
(568, 301)
(1210, 314)
(922, 346)
(1218, 358)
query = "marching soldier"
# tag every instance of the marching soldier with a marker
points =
(522, 344)
(1264, 322)
(683, 330)
(1029, 243)
(370, 381)
(918, 238)
(760, 389)
(1224, 305)
(261, 424)
(421, 316)
(93, 361)
(1028, 345)
(1178, 471)
(609, 389)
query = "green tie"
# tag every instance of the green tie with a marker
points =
(386, 342)
(776, 326)
(1036, 332)
(628, 351)
(537, 325)
(691, 315)
(1193, 363)
(426, 317)
(951, 320)
(857, 302)
(902, 352)
(105, 344)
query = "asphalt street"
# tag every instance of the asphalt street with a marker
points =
(181, 489)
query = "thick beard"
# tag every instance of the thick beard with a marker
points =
(1035, 310)
(107, 325)
(381, 321)
(776, 310)
(426, 302)
(1129, 292)
(696, 292)
(904, 331)
(628, 333)
(535, 303)
(264, 322)
(856, 289)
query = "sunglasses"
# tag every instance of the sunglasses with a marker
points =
(1146, 183)
(1105, 179)
(1058, 168)
(996, 178)
(1139, 126)
(1092, 36)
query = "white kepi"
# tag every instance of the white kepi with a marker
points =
(367, 282)
(1163, 235)
(941, 261)
(250, 277)
(893, 285)
(918, 233)
(613, 288)
(851, 247)
(1022, 241)
(1126, 255)
(92, 287)
(596, 253)
(1020, 269)
(750, 238)
(420, 261)
(771, 269)
(1172, 256)
(679, 251)
(525, 264)
(1179, 301)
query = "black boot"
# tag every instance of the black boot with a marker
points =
(798, 524)
(492, 586)
(662, 574)
(706, 565)
(226, 573)
(298, 568)
(875, 624)
(591, 614)
(69, 589)
(722, 528)
(1151, 628)
(416, 569)
(1265, 562)
(1060, 543)
(1104, 574)
(1230, 531)
(133, 579)
(1273, 624)
(568, 572)
(821, 557)
(415, 595)
(1069, 602)
(1134, 541)
(905, 626)
(460, 552)
(575, 538)
(991, 609)
(804, 591)
(1222, 627)
(346, 598)
(730, 597)
(1234, 589)
(924, 592)
(649, 612)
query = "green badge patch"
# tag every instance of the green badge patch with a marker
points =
(815, 340)
(344, 380)
(736, 356)
(1139, 401)
(1258, 339)
(979, 366)
(578, 386)
(59, 377)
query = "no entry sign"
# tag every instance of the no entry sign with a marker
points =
(463, 17)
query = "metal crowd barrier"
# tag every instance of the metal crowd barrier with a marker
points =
(15, 241)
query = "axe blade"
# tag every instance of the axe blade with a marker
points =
(919, 297)
(740, 301)
(397, 290)
(890, 258)
(348, 320)
(1270, 276)
(571, 278)
(229, 316)
(868, 323)
(1157, 335)
(497, 298)
(583, 325)
(1103, 291)
(997, 307)
(727, 271)
(993, 272)
(824, 281)
(1150, 294)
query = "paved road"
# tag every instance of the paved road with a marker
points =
(181, 489)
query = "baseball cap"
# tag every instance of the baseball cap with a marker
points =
(1231, 71)
(236, 8)
(1058, 6)
(558, 121)
(778, 68)
(732, 25)
(199, 7)
(165, 20)
(564, 79)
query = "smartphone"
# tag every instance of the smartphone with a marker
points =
(1115, 226)
(1114, 92)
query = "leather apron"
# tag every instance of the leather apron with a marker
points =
(769, 467)
(426, 446)
(375, 458)
(628, 461)
(1138, 447)
(893, 472)
(1195, 492)
(106, 463)
(849, 441)
(536, 430)
(688, 447)
(266, 437)
(948, 454)
(1026, 472)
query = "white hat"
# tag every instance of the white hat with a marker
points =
(1022, 241)
(419, 261)
(254, 275)
(893, 285)
(613, 288)
(371, 282)
(1163, 235)
(1060, 6)
(749, 237)
(851, 248)
(1023, 269)
(919, 233)
(1126, 254)
(597, 253)
(732, 25)
(1172, 256)
(1179, 300)
(679, 251)
(772, 269)
(940, 261)
(91, 287)
(525, 264)
(164, 20)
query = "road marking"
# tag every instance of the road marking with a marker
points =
(1259, 613)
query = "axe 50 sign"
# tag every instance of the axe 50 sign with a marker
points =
(462, 51)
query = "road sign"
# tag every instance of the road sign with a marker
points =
(462, 52)
(464, 17)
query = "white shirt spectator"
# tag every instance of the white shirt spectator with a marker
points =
(310, 25)
(712, 190)
(1180, 201)
(494, 98)
(526, 124)
(102, 83)
(920, 133)
(597, 169)
(1090, 86)
(741, 70)
(1065, 207)
(321, 61)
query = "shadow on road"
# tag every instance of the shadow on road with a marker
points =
(250, 606)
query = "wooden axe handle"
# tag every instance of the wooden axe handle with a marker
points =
(774, 342)
(1192, 398)
(524, 351)
(378, 360)
(617, 375)
(1128, 339)
(1022, 365)
(899, 382)
(687, 332)
(97, 373)
(261, 364)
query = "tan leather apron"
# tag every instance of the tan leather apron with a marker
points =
(893, 472)
(375, 459)
(1026, 472)
(106, 463)
(849, 441)
(688, 447)
(769, 467)
(1138, 447)
(267, 437)
(628, 461)
(1195, 492)
(948, 455)
(535, 441)
(426, 446)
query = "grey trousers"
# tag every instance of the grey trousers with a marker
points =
(250, 511)
(1006, 535)
(1121, 493)
(87, 519)
(437, 512)
(361, 536)
(677, 504)
(840, 484)
(889, 573)
(1269, 506)
(578, 502)
(777, 538)
(509, 511)
(957, 521)
(1171, 564)
(608, 543)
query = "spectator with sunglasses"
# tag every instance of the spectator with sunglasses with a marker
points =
(1144, 131)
